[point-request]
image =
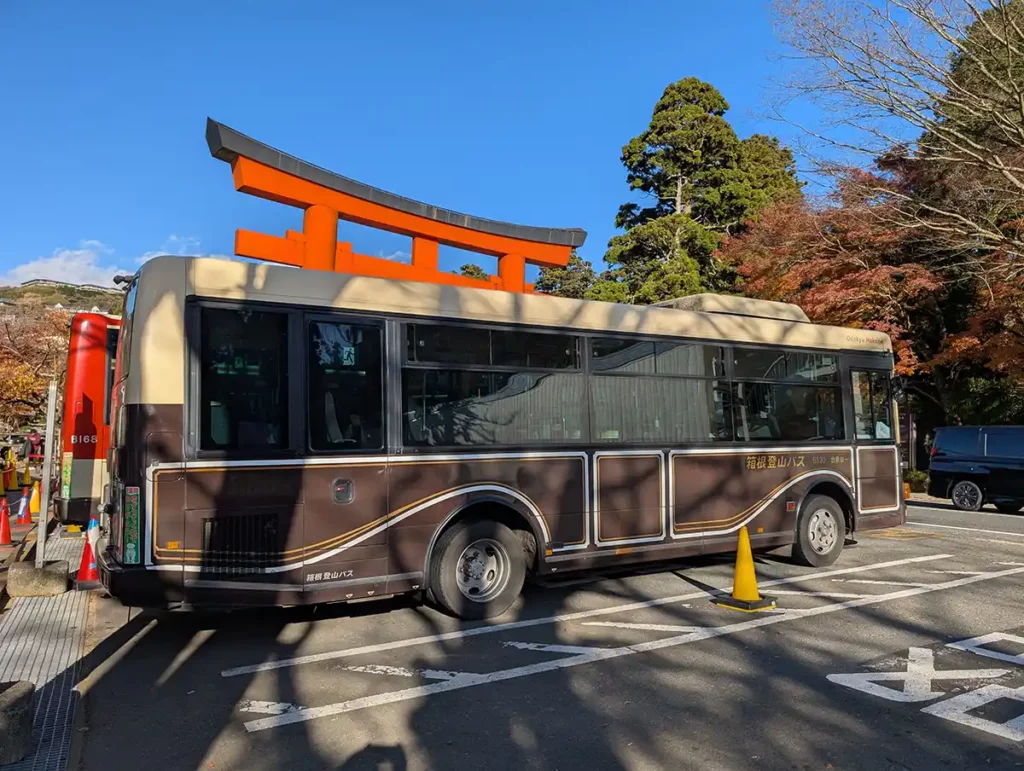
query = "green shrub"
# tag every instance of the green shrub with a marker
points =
(918, 480)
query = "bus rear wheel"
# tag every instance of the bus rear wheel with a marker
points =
(820, 532)
(477, 569)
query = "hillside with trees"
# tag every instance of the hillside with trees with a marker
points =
(68, 296)
(34, 344)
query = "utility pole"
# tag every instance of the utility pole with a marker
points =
(44, 486)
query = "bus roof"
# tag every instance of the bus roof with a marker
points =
(738, 306)
(164, 283)
(715, 317)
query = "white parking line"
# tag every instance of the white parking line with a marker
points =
(957, 511)
(1000, 540)
(915, 523)
(384, 669)
(603, 654)
(840, 595)
(646, 627)
(496, 628)
(878, 583)
(268, 707)
(574, 650)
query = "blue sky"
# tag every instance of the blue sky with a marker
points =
(514, 111)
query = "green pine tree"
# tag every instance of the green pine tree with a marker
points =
(702, 181)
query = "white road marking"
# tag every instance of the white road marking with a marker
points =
(878, 583)
(958, 708)
(957, 572)
(966, 529)
(974, 645)
(917, 679)
(574, 650)
(497, 628)
(798, 593)
(384, 669)
(603, 654)
(647, 627)
(957, 511)
(999, 540)
(268, 707)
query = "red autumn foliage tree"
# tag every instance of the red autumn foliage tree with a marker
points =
(841, 264)
(994, 335)
(33, 350)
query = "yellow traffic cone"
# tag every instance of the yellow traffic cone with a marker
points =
(745, 596)
(33, 502)
(26, 476)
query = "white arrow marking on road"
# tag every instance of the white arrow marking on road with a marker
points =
(268, 707)
(917, 679)
(974, 645)
(957, 709)
(646, 627)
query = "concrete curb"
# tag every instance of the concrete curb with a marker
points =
(17, 555)
(16, 715)
(24, 579)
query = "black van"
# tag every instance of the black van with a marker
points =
(973, 466)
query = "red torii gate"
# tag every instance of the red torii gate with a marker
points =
(326, 197)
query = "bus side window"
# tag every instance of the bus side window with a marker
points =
(243, 382)
(346, 392)
(872, 405)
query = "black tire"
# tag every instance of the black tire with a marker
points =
(820, 532)
(967, 495)
(493, 542)
(1009, 508)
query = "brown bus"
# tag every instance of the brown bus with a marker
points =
(290, 436)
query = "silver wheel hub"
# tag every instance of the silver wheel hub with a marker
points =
(483, 570)
(823, 530)
(966, 495)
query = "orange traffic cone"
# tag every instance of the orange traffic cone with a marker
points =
(24, 518)
(744, 595)
(5, 523)
(88, 576)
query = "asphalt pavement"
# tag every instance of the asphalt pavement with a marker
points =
(908, 653)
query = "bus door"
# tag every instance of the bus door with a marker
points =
(345, 485)
(877, 452)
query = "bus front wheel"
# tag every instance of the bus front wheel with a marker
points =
(477, 569)
(820, 532)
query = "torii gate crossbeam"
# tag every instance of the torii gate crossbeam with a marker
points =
(326, 197)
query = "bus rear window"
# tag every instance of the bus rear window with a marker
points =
(124, 343)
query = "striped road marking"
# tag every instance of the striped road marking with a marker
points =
(602, 654)
(498, 628)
